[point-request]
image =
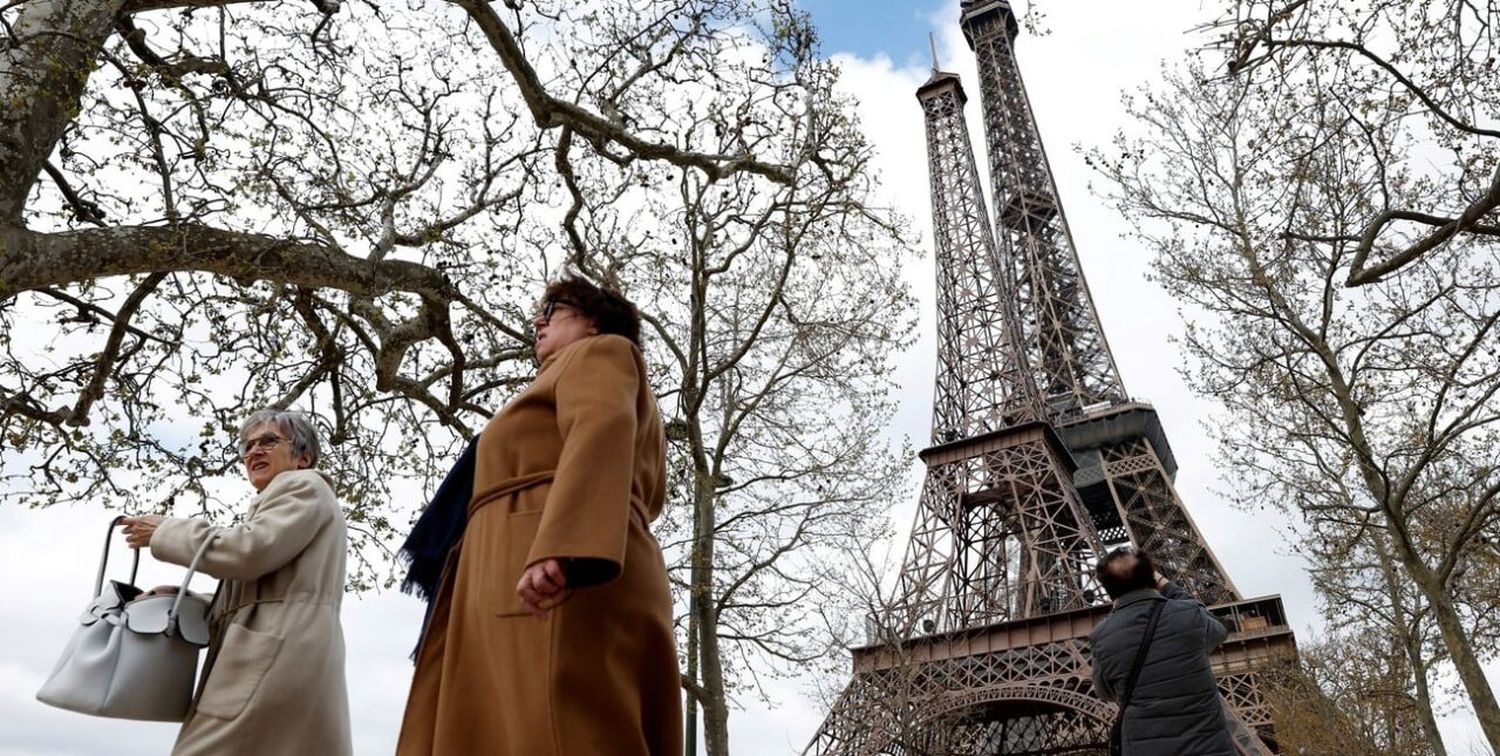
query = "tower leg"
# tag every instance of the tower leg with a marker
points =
(1157, 521)
(1000, 535)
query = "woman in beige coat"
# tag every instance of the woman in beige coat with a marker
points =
(273, 682)
(551, 632)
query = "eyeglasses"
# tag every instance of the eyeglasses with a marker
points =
(267, 442)
(549, 307)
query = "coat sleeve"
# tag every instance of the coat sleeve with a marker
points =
(1214, 631)
(296, 506)
(587, 513)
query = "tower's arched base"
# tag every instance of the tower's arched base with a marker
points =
(1008, 727)
(1022, 687)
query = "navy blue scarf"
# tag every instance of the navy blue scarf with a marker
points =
(436, 532)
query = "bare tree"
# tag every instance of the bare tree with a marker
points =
(1371, 407)
(1348, 694)
(207, 206)
(883, 704)
(1381, 660)
(1434, 62)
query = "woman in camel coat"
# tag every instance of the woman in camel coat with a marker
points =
(273, 683)
(551, 634)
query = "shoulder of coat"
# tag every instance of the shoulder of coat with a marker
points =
(307, 481)
(610, 342)
(606, 347)
(1101, 629)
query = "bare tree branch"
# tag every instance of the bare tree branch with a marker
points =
(551, 112)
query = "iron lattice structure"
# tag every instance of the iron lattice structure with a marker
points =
(1065, 343)
(1039, 462)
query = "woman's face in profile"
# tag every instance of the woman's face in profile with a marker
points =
(267, 452)
(559, 324)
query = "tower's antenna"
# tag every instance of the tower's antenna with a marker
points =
(932, 42)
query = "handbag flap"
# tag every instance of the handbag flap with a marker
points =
(151, 615)
(109, 602)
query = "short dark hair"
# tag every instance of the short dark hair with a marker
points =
(1119, 576)
(607, 309)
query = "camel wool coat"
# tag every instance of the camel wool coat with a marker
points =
(273, 682)
(574, 469)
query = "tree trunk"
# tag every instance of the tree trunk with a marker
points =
(715, 702)
(43, 76)
(1409, 636)
(703, 601)
(1424, 698)
(1450, 625)
(713, 699)
(690, 715)
(1456, 639)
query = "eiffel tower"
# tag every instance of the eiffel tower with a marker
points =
(1040, 462)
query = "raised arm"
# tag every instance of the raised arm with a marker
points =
(1214, 631)
(296, 505)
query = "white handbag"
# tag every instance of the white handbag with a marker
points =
(132, 658)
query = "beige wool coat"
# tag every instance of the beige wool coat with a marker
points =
(572, 469)
(273, 680)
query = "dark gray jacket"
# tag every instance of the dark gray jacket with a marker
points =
(1175, 709)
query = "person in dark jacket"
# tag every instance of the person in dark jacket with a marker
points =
(1175, 709)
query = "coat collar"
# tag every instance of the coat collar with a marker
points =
(283, 479)
(552, 358)
(1135, 597)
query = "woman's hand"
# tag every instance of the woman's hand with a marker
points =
(543, 586)
(138, 530)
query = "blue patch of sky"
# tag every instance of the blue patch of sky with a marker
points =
(897, 28)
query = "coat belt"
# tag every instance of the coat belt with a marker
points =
(507, 487)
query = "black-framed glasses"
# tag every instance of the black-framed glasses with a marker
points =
(267, 441)
(549, 307)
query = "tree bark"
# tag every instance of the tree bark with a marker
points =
(696, 597)
(1456, 639)
(43, 74)
(1450, 625)
(696, 381)
(715, 703)
(1424, 697)
(31, 260)
(1411, 645)
(714, 700)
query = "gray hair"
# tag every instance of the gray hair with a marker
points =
(297, 428)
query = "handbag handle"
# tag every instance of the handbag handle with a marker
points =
(188, 578)
(135, 566)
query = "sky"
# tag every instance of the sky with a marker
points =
(1094, 51)
(891, 28)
